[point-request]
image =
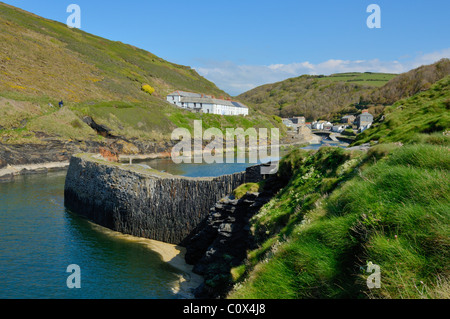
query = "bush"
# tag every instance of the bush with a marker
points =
(148, 89)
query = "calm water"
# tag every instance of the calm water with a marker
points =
(39, 239)
(197, 170)
(325, 142)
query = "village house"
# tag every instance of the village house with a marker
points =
(206, 103)
(339, 128)
(348, 119)
(364, 120)
(294, 122)
(321, 125)
(288, 123)
(298, 120)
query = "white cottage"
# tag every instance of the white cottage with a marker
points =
(206, 103)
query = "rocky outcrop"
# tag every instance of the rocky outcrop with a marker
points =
(303, 135)
(143, 202)
(61, 151)
(48, 152)
(224, 239)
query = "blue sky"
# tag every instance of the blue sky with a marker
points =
(242, 44)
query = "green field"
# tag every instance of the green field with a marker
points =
(367, 78)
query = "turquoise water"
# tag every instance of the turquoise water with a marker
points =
(323, 143)
(39, 239)
(196, 170)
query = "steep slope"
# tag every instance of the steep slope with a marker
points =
(423, 117)
(343, 212)
(407, 84)
(43, 57)
(101, 82)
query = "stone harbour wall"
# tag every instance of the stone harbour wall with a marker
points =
(142, 202)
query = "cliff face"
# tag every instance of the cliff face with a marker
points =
(143, 202)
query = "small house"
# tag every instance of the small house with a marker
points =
(348, 119)
(364, 120)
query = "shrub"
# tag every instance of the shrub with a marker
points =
(148, 89)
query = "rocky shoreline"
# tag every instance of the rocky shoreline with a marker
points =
(23, 159)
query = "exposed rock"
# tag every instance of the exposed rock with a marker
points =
(223, 240)
(100, 129)
(51, 151)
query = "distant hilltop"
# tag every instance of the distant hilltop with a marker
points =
(208, 104)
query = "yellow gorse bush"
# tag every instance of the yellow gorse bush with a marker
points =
(147, 88)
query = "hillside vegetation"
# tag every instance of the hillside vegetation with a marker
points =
(421, 118)
(313, 96)
(40, 57)
(407, 84)
(330, 97)
(119, 86)
(343, 210)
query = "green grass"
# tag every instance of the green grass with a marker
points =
(240, 192)
(425, 118)
(342, 210)
(394, 213)
(98, 68)
(95, 77)
(368, 78)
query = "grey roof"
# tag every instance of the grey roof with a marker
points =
(365, 114)
(187, 94)
(189, 97)
(239, 104)
(208, 100)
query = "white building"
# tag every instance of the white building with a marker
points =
(339, 128)
(206, 103)
(288, 123)
(321, 125)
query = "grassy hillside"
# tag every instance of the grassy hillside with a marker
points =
(313, 96)
(330, 97)
(343, 210)
(407, 84)
(40, 57)
(423, 117)
(43, 61)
